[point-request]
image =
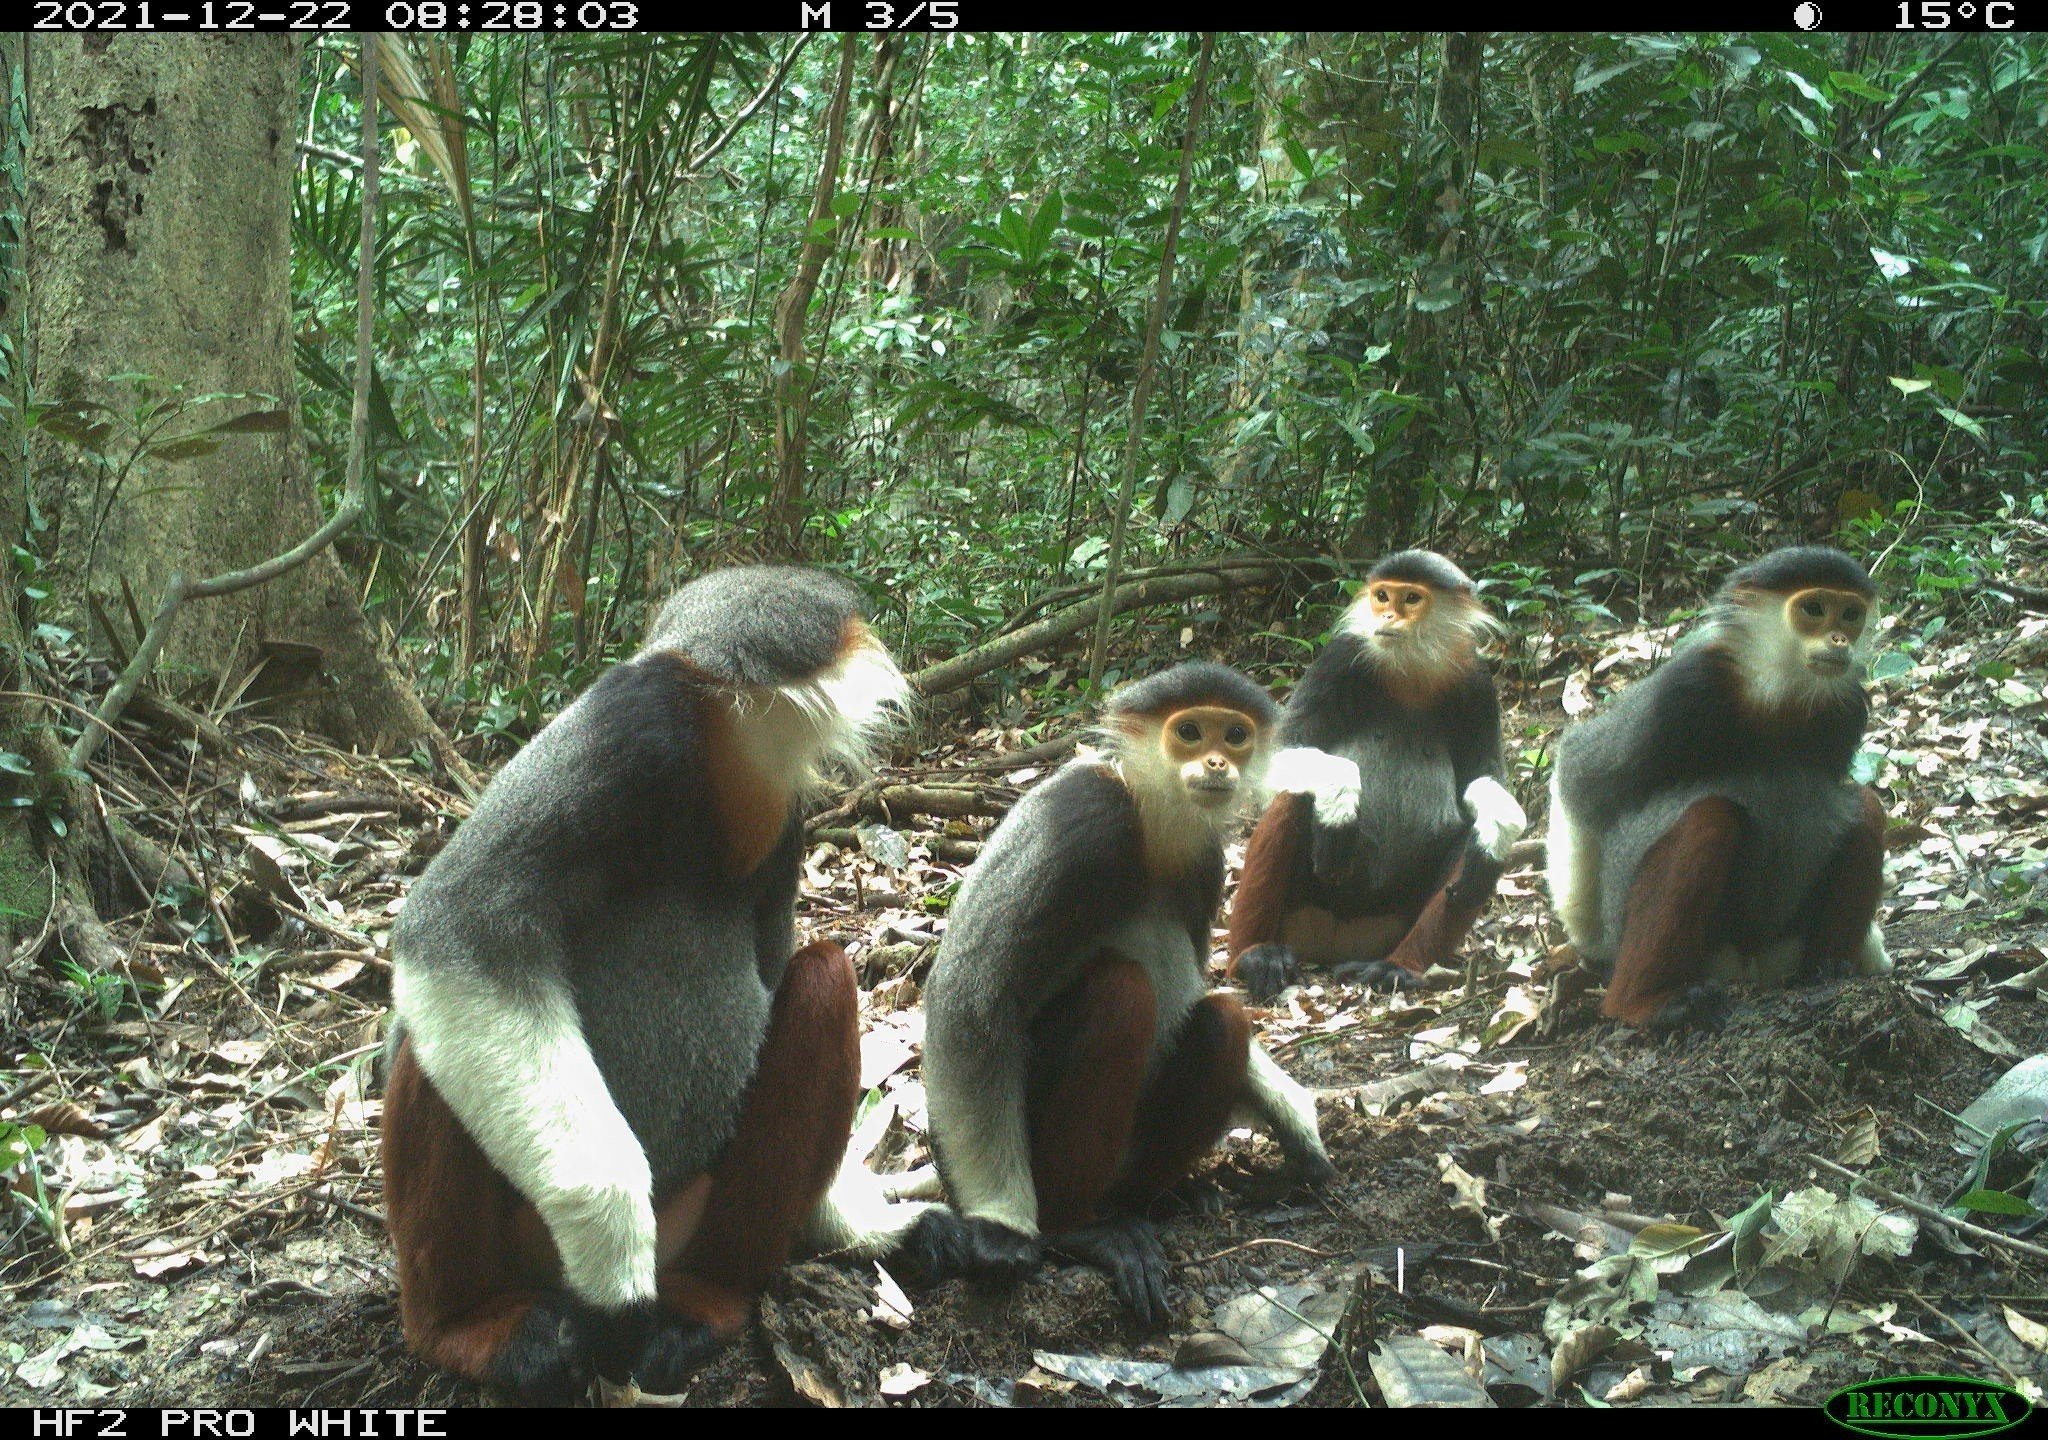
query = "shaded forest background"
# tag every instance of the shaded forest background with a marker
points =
(1001, 325)
(1581, 311)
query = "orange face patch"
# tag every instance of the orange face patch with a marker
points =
(1211, 735)
(1398, 605)
(1834, 617)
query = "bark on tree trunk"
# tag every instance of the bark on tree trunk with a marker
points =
(786, 504)
(160, 245)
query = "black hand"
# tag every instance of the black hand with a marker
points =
(675, 1349)
(1266, 970)
(548, 1360)
(1128, 1250)
(1697, 1007)
(943, 1244)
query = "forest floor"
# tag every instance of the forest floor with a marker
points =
(1526, 1207)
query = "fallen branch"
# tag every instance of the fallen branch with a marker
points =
(1044, 752)
(970, 664)
(943, 847)
(1929, 1212)
(1220, 565)
(949, 800)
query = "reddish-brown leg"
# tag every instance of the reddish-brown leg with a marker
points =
(790, 1140)
(1846, 895)
(1260, 908)
(476, 1271)
(1449, 914)
(1081, 1117)
(1674, 902)
(1258, 959)
(1187, 1106)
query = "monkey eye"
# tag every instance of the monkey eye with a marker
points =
(1237, 735)
(1852, 614)
(1381, 596)
(1189, 731)
(1814, 608)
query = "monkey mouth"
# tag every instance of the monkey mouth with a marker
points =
(1830, 664)
(1208, 791)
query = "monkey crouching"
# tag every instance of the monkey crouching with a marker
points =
(1393, 821)
(1704, 827)
(1076, 1063)
(620, 1093)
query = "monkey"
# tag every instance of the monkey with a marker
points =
(1076, 1064)
(618, 1091)
(1704, 826)
(1392, 820)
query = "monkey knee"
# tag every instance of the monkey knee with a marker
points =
(1217, 1035)
(1477, 877)
(1119, 1006)
(820, 982)
(1715, 822)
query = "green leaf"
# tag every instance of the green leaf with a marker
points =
(1044, 224)
(1805, 87)
(252, 422)
(1848, 82)
(1891, 664)
(1180, 498)
(15, 764)
(1598, 78)
(1298, 157)
(1993, 1202)
(1961, 421)
(1909, 387)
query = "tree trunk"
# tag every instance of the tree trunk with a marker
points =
(786, 506)
(160, 246)
(1148, 365)
(1440, 261)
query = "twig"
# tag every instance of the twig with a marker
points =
(361, 1212)
(1975, 1343)
(1929, 1212)
(1285, 1244)
(27, 1088)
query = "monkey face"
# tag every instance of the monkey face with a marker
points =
(1398, 609)
(1828, 624)
(1209, 745)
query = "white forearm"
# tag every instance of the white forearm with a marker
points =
(1285, 1106)
(1331, 780)
(522, 1081)
(1497, 820)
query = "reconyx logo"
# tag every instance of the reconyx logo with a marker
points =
(1911, 1406)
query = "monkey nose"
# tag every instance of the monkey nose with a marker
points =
(1215, 762)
